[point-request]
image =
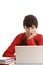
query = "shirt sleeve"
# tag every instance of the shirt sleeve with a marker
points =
(40, 40)
(38, 37)
(31, 42)
(11, 49)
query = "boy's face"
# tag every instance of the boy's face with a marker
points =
(30, 30)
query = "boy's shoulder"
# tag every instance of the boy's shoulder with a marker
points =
(21, 34)
(39, 36)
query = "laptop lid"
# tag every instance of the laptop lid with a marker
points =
(29, 54)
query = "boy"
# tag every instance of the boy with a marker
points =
(30, 37)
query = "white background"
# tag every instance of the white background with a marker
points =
(12, 13)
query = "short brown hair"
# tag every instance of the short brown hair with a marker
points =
(30, 20)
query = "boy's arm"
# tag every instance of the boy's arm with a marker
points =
(11, 49)
(30, 39)
(9, 52)
(31, 42)
(39, 38)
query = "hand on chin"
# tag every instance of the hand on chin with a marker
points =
(31, 35)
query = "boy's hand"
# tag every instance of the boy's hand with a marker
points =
(31, 35)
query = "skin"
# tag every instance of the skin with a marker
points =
(30, 31)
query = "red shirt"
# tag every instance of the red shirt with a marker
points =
(11, 49)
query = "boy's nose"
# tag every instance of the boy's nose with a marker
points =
(30, 30)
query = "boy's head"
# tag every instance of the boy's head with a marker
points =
(30, 20)
(30, 24)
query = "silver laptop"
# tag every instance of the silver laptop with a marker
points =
(29, 54)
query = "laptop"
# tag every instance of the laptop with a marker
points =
(29, 54)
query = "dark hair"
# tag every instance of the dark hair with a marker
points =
(30, 20)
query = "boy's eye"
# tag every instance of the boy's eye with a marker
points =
(32, 27)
